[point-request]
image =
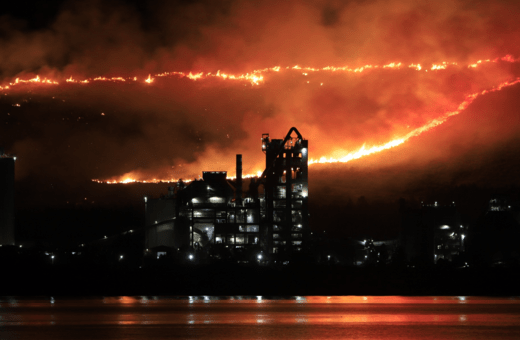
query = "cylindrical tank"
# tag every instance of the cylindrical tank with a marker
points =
(6, 200)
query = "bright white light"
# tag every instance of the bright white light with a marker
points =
(462, 236)
(190, 257)
(14, 158)
(444, 227)
(328, 256)
(105, 236)
(121, 257)
(259, 256)
(145, 199)
(52, 257)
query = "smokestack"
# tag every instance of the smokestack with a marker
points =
(239, 180)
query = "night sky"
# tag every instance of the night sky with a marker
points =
(64, 135)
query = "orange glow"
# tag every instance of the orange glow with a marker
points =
(363, 151)
(195, 76)
(257, 76)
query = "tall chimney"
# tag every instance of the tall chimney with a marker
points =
(239, 180)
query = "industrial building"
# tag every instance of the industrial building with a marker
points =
(494, 236)
(271, 215)
(6, 198)
(433, 232)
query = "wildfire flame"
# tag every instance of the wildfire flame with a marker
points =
(414, 133)
(363, 151)
(257, 76)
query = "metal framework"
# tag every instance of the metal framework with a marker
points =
(285, 181)
(272, 214)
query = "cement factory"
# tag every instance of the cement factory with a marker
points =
(265, 219)
(271, 215)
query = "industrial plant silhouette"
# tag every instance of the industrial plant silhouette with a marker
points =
(257, 226)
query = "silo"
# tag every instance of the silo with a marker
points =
(6, 199)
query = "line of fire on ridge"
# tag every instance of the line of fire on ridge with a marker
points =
(255, 77)
(363, 151)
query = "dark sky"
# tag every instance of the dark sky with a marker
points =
(65, 135)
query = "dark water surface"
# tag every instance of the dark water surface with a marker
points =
(311, 317)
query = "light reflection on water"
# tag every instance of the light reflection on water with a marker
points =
(241, 317)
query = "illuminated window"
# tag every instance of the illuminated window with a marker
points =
(253, 228)
(240, 239)
(252, 216)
